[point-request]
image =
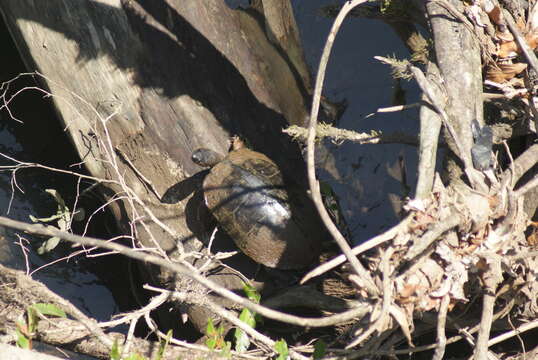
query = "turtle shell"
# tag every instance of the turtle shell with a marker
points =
(246, 194)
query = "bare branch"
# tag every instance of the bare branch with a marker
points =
(367, 245)
(441, 335)
(38, 229)
(338, 135)
(314, 185)
(492, 277)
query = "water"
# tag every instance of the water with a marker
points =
(369, 180)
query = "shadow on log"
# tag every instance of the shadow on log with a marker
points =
(140, 84)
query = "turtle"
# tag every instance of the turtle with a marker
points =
(245, 192)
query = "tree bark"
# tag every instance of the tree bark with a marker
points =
(140, 84)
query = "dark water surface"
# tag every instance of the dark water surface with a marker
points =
(366, 178)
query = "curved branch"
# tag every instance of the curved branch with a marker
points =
(314, 186)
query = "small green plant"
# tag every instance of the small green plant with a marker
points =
(62, 218)
(242, 341)
(115, 353)
(26, 328)
(135, 357)
(215, 339)
(281, 348)
(163, 345)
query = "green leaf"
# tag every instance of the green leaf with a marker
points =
(32, 319)
(227, 350)
(248, 318)
(251, 293)
(115, 353)
(22, 341)
(63, 214)
(220, 330)
(34, 310)
(48, 245)
(163, 344)
(211, 343)
(281, 347)
(242, 342)
(45, 219)
(56, 195)
(210, 328)
(62, 218)
(49, 310)
(135, 357)
(63, 223)
(319, 349)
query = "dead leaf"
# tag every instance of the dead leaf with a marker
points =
(532, 39)
(407, 291)
(507, 50)
(504, 36)
(504, 72)
(494, 201)
(496, 15)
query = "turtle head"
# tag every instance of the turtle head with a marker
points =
(206, 157)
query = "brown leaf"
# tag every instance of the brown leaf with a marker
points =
(407, 291)
(494, 201)
(504, 36)
(511, 70)
(496, 16)
(507, 50)
(504, 72)
(532, 39)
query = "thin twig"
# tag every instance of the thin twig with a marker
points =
(451, 340)
(141, 176)
(426, 88)
(430, 128)
(23, 164)
(492, 277)
(443, 225)
(357, 312)
(521, 165)
(313, 183)
(507, 335)
(395, 108)
(531, 184)
(367, 245)
(377, 325)
(441, 323)
(221, 311)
